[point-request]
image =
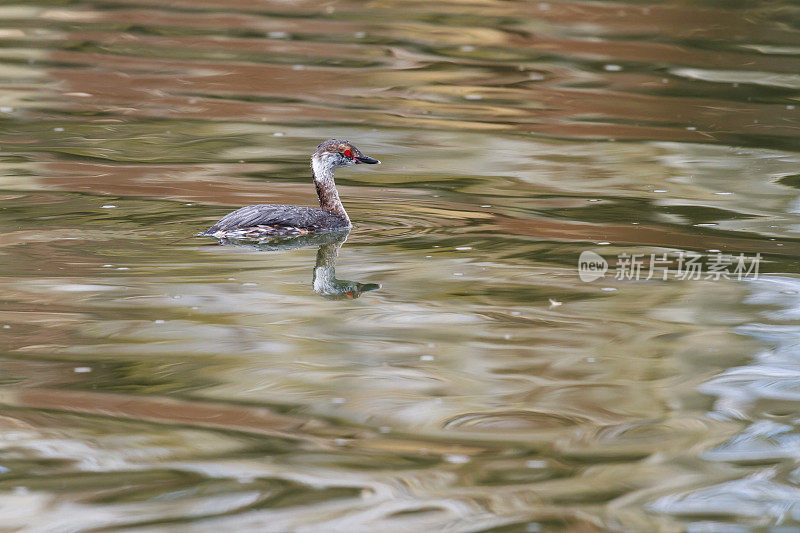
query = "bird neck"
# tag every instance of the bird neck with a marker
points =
(326, 188)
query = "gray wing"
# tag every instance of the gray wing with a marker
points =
(290, 216)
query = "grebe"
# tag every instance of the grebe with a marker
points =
(264, 220)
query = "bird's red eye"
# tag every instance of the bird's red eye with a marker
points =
(348, 153)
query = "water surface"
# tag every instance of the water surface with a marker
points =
(442, 367)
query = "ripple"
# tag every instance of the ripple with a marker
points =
(763, 441)
(511, 421)
(761, 499)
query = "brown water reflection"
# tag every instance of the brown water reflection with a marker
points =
(154, 381)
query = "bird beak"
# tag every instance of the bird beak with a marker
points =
(367, 160)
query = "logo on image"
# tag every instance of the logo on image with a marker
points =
(591, 266)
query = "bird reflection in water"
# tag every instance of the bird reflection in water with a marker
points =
(324, 277)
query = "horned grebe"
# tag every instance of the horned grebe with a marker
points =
(265, 220)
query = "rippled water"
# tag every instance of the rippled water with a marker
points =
(442, 367)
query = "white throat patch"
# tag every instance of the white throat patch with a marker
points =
(322, 167)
